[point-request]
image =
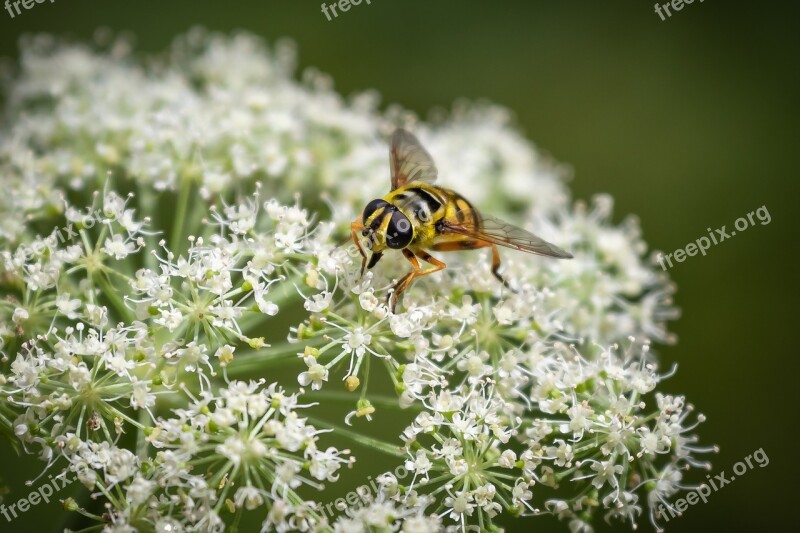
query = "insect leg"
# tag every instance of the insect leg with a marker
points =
(355, 227)
(472, 244)
(496, 267)
(405, 282)
(437, 265)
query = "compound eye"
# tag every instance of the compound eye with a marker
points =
(399, 232)
(373, 206)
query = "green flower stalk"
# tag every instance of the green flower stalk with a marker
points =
(171, 249)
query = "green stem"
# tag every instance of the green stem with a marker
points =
(267, 357)
(386, 402)
(141, 439)
(176, 244)
(113, 295)
(364, 440)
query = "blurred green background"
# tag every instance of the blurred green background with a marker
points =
(689, 123)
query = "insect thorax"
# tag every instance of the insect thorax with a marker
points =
(422, 204)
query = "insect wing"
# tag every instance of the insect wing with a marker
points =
(409, 160)
(496, 231)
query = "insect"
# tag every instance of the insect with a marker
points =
(418, 215)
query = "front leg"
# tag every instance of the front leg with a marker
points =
(355, 228)
(417, 272)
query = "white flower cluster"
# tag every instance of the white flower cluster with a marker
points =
(165, 224)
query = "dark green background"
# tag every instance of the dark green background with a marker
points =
(688, 123)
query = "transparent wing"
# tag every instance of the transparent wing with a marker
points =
(491, 229)
(409, 160)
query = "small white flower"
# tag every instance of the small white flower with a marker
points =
(315, 374)
(170, 319)
(368, 301)
(248, 497)
(420, 465)
(140, 490)
(267, 307)
(461, 505)
(225, 354)
(580, 420)
(607, 472)
(318, 302)
(357, 341)
(67, 306)
(118, 248)
(507, 459)
(20, 315)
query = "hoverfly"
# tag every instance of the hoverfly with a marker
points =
(418, 215)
